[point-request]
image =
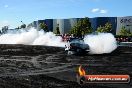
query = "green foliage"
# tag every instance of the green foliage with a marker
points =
(125, 32)
(57, 30)
(100, 29)
(106, 28)
(23, 26)
(82, 27)
(43, 26)
(4, 29)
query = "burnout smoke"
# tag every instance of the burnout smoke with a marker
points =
(31, 37)
(101, 43)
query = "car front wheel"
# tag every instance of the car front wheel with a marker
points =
(70, 52)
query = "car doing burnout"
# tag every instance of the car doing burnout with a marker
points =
(76, 46)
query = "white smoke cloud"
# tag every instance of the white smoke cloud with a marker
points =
(31, 37)
(27, 37)
(101, 43)
(48, 39)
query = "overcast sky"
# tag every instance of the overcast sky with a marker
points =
(13, 11)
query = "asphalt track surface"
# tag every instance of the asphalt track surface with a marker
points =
(26, 66)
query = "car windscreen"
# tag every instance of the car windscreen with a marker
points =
(77, 41)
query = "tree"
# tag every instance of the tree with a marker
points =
(43, 26)
(57, 30)
(106, 28)
(125, 32)
(82, 27)
(5, 29)
(23, 26)
(100, 29)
